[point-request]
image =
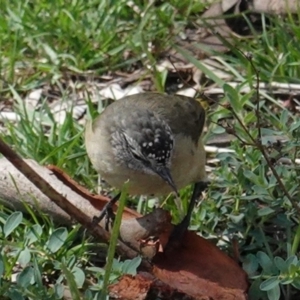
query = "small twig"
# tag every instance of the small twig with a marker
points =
(262, 148)
(258, 124)
(258, 144)
(232, 131)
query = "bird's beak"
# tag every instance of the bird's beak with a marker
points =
(165, 174)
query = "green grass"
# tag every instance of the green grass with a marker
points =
(45, 42)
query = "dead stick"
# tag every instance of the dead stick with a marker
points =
(60, 200)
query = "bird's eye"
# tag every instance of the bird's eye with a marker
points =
(136, 156)
(140, 158)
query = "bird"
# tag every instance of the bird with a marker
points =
(153, 141)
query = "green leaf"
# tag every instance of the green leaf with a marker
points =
(293, 269)
(12, 222)
(15, 295)
(255, 293)
(296, 283)
(280, 264)
(274, 293)
(79, 276)
(270, 283)
(96, 270)
(221, 113)
(218, 130)
(89, 295)
(250, 117)
(25, 277)
(295, 126)
(57, 239)
(236, 218)
(51, 53)
(245, 99)
(59, 290)
(37, 273)
(71, 282)
(117, 266)
(265, 262)
(186, 54)
(125, 266)
(292, 260)
(284, 117)
(33, 233)
(130, 265)
(252, 177)
(250, 264)
(287, 280)
(265, 211)
(24, 257)
(233, 97)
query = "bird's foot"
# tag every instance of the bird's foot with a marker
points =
(107, 213)
(177, 235)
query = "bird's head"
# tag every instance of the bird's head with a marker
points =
(146, 146)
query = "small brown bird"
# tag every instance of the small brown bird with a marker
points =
(152, 140)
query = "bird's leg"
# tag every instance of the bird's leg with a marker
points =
(199, 187)
(180, 229)
(107, 212)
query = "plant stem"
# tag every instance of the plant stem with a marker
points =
(113, 241)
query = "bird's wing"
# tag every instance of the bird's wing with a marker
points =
(183, 114)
